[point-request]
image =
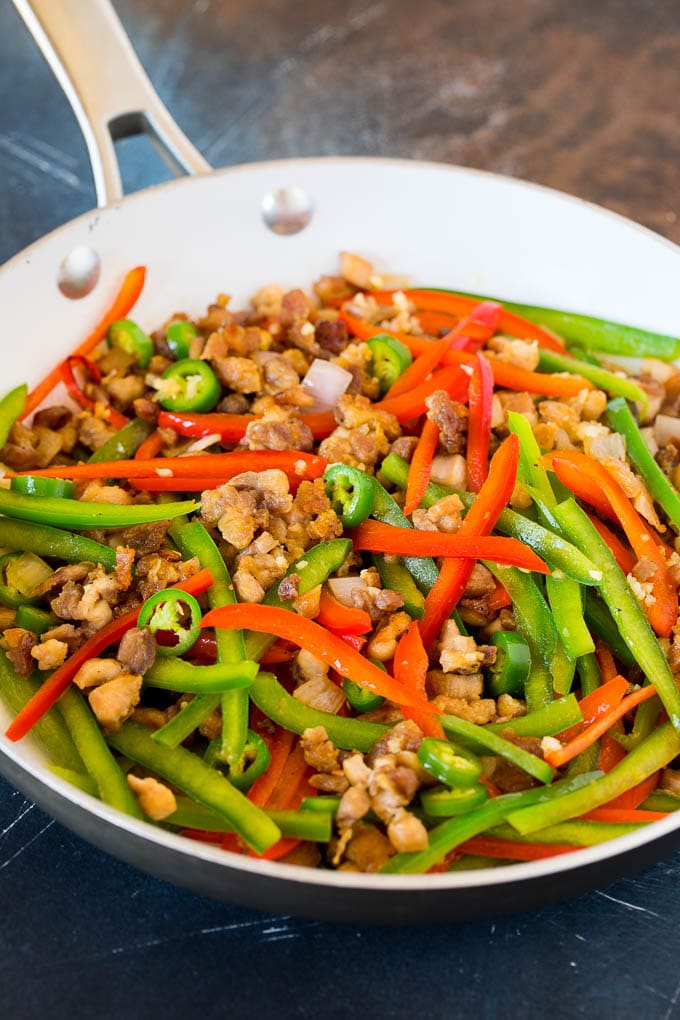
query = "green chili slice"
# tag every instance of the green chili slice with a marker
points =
(35, 485)
(510, 672)
(359, 698)
(479, 737)
(451, 765)
(132, 339)
(190, 385)
(449, 803)
(179, 336)
(389, 359)
(168, 610)
(351, 492)
(256, 760)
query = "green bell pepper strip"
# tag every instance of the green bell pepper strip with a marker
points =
(596, 334)
(178, 337)
(536, 625)
(97, 758)
(255, 748)
(194, 540)
(563, 670)
(453, 766)
(589, 674)
(132, 339)
(209, 787)
(558, 554)
(654, 753)
(483, 740)
(616, 385)
(124, 444)
(189, 718)
(9, 596)
(163, 611)
(577, 833)
(351, 492)
(564, 594)
(449, 803)
(423, 569)
(80, 780)
(198, 388)
(60, 545)
(451, 833)
(510, 671)
(581, 354)
(389, 359)
(314, 567)
(50, 731)
(643, 725)
(621, 419)
(282, 708)
(73, 513)
(624, 607)
(661, 800)
(11, 406)
(559, 715)
(35, 485)
(309, 825)
(322, 804)
(396, 577)
(178, 675)
(359, 698)
(34, 619)
(602, 624)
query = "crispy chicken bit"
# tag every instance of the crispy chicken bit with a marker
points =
(95, 672)
(444, 515)
(156, 800)
(383, 643)
(114, 701)
(137, 650)
(50, 654)
(407, 833)
(479, 711)
(451, 418)
(18, 643)
(363, 435)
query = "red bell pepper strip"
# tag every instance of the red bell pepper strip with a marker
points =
(219, 466)
(125, 299)
(423, 366)
(342, 619)
(513, 850)
(592, 733)
(280, 745)
(480, 520)
(625, 816)
(231, 428)
(605, 660)
(611, 753)
(411, 405)
(59, 681)
(410, 666)
(663, 611)
(67, 373)
(460, 305)
(480, 397)
(304, 633)
(631, 799)
(150, 447)
(596, 704)
(420, 467)
(621, 553)
(375, 536)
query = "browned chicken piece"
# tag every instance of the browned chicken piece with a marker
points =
(320, 753)
(96, 671)
(125, 558)
(18, 643)
(383, 644)
(156, 800)
(137, 650)
(95, 492)
(407, 833)
(354, 804)
(50, 654)
(455, 685)
(479, 711)
(451, 418)
(368, 848)
(114, 701)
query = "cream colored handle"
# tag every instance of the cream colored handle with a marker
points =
(94, 62)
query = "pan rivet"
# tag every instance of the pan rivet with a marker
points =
(287, 210)
(79, 272)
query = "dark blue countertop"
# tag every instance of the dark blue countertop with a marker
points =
(583, 99)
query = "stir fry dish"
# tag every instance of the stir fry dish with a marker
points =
(369, 577)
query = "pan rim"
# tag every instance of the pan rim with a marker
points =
(516, 873)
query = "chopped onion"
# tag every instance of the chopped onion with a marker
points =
(666, 428)
(202, 444)
(343, 588)
(320, 693)
(326, 383)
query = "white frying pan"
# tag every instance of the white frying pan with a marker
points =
(444, 226)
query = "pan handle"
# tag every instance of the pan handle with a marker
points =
(94, 62)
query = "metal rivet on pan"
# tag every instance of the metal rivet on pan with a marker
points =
(79, 272)
(287, 210)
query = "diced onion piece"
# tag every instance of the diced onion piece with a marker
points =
(343, 588)
(26, 573)
(320, 693)
(326, 382)
(666, 428)
(202, 444)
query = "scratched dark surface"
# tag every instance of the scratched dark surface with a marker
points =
(580, 96)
